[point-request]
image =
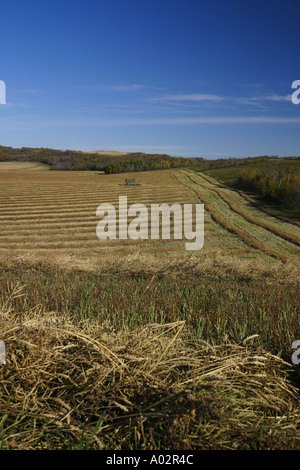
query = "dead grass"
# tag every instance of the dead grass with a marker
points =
(213, 265)
(80, 385)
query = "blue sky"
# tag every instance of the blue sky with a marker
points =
(207, 78)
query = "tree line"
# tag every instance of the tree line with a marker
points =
(75, 160)
(278, 183)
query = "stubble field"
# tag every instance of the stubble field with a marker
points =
(55, 212)
(140, 344)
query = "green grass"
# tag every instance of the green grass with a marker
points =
(146, 362)
(214, 310)
(221, 385)
(229, 174)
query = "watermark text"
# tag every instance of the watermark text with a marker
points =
(2, 352)
(296, 354)
(144, 226)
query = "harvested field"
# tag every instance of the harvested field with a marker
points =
(264, 209)
(264, 233)
(140, 344)
(139, 390)
(48, 211)
(57, 210)
(21, 166)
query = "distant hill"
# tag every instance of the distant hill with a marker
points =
(112, 161)
(109, 161)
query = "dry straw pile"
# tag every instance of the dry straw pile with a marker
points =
(137, 264)
(68, 385)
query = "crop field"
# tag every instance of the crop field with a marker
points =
(21, 166)
(55, 212)
(264, 233)
(141, 344)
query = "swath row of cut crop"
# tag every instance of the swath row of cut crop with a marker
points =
(277, 231)
(95, 197)
(71, 229)
(263, 246)
(244, 236)
(42, 217)
(270, 227)
(253, 202)
(51, 239)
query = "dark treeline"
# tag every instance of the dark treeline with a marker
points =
(278, 183)
(232, 162)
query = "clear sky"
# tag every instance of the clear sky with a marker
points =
(207, 78)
